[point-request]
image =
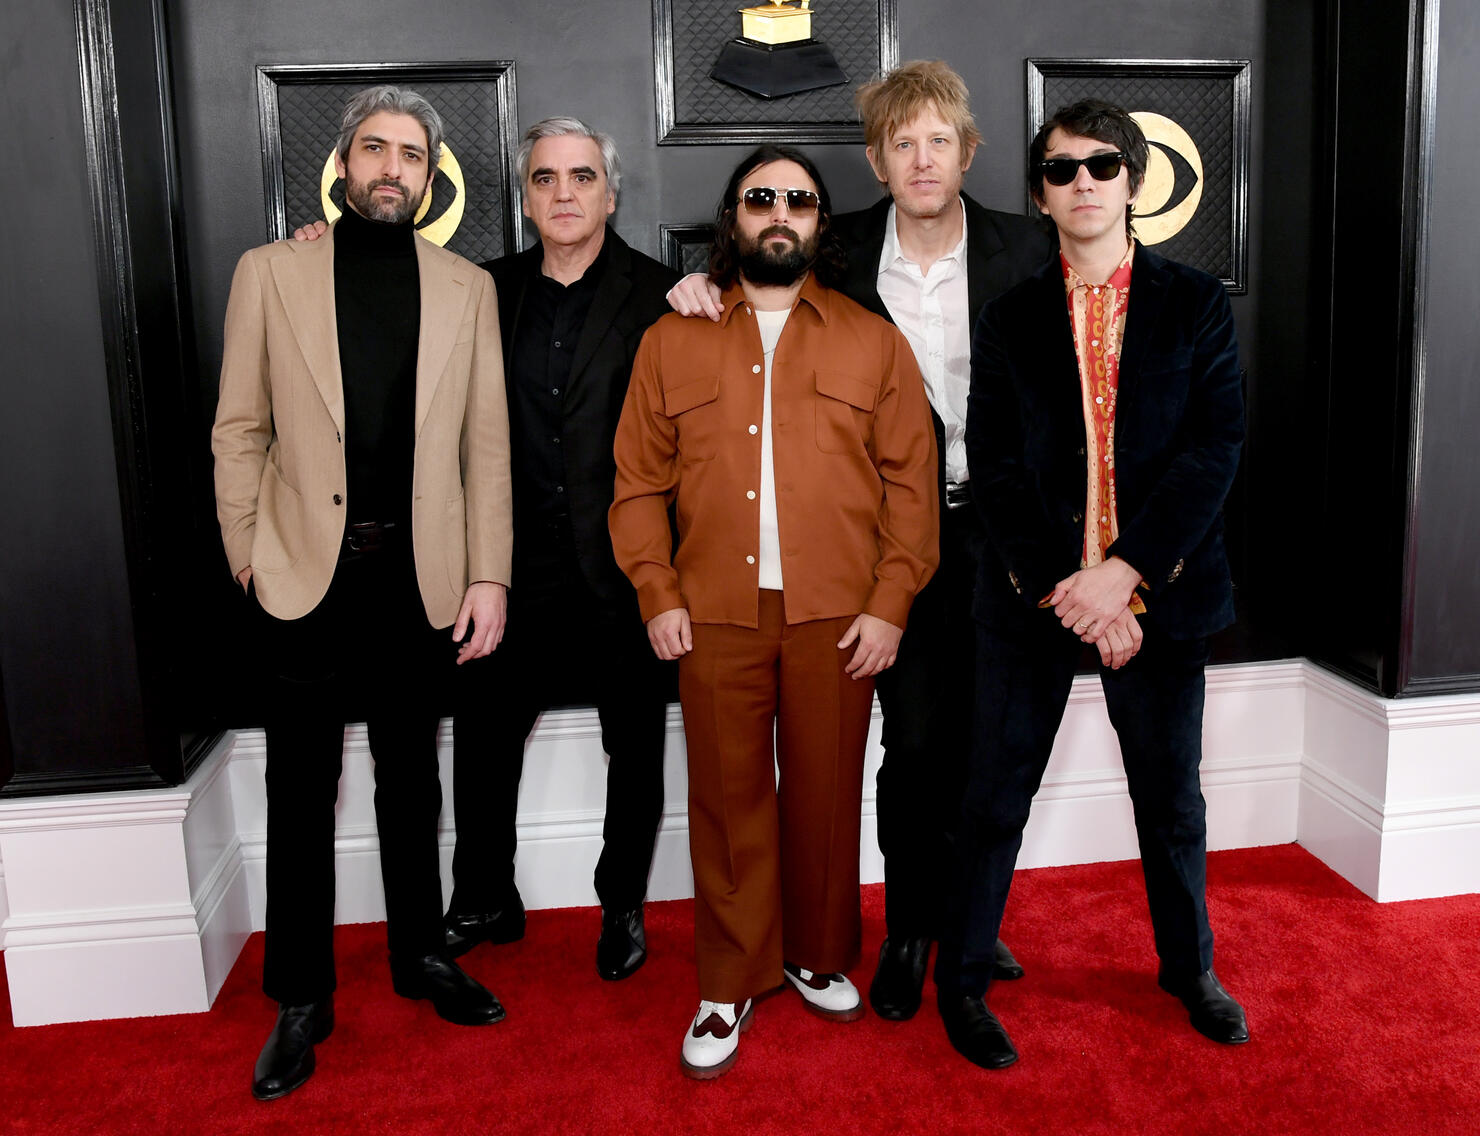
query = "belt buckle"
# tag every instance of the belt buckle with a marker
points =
(365, 537)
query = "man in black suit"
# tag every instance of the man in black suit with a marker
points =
(573, 310)
(1103, 431)
(926, 257)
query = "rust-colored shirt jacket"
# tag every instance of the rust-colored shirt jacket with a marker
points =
(854, 459)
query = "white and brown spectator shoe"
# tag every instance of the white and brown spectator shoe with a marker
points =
(828, 995)
(710, 1046)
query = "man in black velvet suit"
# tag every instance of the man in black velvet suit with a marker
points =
(926, 257)
(1103, 431)
(573, 310)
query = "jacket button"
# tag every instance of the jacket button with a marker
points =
(338, 500)
(750, 494)
(750, 560)
(755, 368)
(1077, 517)
(1081, 451)
(754, 429)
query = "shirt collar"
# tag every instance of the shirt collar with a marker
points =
(1120, 278)
(891, 253)
(813, 294)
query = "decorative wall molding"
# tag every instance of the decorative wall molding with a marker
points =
(163, 886)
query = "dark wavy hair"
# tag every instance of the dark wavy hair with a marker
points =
(1102, 121)
(724, 254)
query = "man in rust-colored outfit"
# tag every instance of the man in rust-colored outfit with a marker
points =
(793, 438)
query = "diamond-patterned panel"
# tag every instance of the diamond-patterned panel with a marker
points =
(309, 116)
(701, 27)
(1204, 108)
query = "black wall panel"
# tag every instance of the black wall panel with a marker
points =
(1444, 581)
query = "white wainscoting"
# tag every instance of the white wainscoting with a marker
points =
(124, 904)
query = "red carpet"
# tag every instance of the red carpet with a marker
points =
(1365, 1019)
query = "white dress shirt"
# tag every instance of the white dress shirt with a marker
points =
(933, 311)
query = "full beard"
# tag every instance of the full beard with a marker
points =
(763, 265)
(388, 210)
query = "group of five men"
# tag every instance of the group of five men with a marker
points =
(794, 498)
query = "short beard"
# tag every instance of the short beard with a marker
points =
(395, 211)
(759, 265)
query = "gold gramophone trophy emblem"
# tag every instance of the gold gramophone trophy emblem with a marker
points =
(775, 53)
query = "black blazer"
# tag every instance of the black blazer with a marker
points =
(629, 298)
(1001, 250)
(1179, 426)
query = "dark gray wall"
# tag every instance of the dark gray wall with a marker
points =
(1444, 579)
(66, 629)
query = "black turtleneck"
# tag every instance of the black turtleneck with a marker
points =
(377, 304)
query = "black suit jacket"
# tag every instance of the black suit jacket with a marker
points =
(629, 298)
(1179, 426)
(1001, 250)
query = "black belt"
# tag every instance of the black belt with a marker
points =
(369, 536)
(958, 494)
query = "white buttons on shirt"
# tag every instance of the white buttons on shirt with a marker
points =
(750, 560)
(755, 368)
(750, 494)
(1099, 398)
(754, 429)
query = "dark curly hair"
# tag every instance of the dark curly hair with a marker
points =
(724, 254)
(1102, 121)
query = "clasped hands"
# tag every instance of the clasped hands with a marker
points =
(1093, 604)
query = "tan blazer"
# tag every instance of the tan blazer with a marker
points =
(278, 438)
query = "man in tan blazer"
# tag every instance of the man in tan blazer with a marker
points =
(362, 485)
(805, 495)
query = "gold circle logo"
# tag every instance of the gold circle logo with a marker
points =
(441, 209)
(1173, 186)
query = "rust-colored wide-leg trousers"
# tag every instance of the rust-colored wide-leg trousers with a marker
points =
(775, 863)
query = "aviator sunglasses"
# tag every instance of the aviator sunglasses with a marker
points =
(762, 199)
(1101, 167)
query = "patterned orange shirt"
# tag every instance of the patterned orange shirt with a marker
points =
(1097, 314)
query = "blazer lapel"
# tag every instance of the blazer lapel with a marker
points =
(305, 282)
(1148, 295)
(612, 291)
(982, 244)
(444, 294)
(863, 261)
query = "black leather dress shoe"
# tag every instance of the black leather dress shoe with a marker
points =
(1004, 965)
(975, 1032)
(622, 947)
(895, 990)
(286, 1061)
(506, 925)
(454, 995)
(1212, 1010)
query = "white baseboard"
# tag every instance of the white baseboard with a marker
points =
(128, 904)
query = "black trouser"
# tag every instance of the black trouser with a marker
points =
(562, 644)
(927, 698)
(1024, 672)
(366, 646)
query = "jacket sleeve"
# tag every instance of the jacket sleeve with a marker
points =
(646, 453)
(243, 428)
(489, 499)
(904, 455)
(1005, 493)
(1188, 496)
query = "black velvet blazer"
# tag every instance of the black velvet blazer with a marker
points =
(1179, 427)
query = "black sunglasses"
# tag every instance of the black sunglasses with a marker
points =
(1101, 167)
(762, 199)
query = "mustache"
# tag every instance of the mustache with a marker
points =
(778, 231)
(388, 181)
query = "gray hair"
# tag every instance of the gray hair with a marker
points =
(611, 164)
(396, 100)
